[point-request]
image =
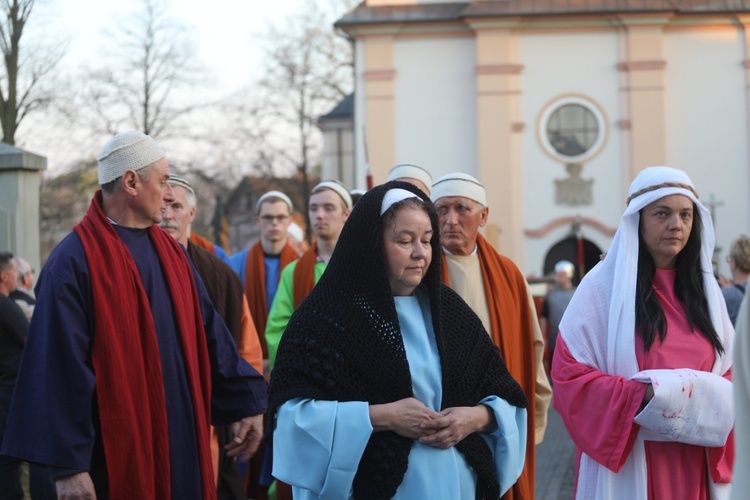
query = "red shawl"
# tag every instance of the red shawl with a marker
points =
(125, 356)
(304, 274)
(255, 287)
(510, 316)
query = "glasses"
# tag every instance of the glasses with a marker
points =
(270, 219)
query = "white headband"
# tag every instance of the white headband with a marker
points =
(276, 194)
(393, 196)
(459, 184)
(176, 180)
(338, 188)
(410, 171)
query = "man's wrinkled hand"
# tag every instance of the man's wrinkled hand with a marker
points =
(246, 437)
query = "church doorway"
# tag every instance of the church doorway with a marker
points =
(583, 253)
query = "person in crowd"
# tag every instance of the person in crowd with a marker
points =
(356, 194)
(386, 384)
(23, 295)
(741, 378)
(328, 208)
(739, 265)
(642, 366)
(126, 359)
(225, 290)
(556, 301)
(497, 292)
(413, 174)
(13, 329)
(260, 267)
(295, 235)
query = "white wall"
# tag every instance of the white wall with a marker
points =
(707, 123)
(556, 65)
(436, 117)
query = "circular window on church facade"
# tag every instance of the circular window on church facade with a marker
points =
(572, 129)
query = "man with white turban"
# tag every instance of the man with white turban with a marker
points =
(127, 362)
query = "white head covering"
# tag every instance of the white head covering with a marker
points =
(336, 187)
(277, 194)
(410, 171)
(565, 266)
(459, 184)
(599, 324)
(393, 196)
(176, 180)
(131, 150)
(295, 231)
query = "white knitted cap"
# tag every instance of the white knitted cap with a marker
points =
(131, 150)
(458, 184)
(410, 171)
(274, 194)
(336, 187)
(295, 231)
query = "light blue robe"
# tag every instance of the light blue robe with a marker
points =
(317, 445)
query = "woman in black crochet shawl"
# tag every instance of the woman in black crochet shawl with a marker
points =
(386, 384)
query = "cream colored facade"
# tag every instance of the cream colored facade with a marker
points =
(451, 88)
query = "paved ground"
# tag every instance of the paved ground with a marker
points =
(555, 462)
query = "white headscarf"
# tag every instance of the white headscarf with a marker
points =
(599, 324)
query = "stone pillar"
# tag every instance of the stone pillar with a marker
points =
(499, 133)
(19, 202)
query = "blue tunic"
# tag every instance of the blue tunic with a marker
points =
(54, 418)
(318, 444)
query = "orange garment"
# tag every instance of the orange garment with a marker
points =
(202, 242)
(304, 274)
(249, 348)
(510, 316)
(255, 287)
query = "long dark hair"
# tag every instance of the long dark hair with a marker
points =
(688, 287)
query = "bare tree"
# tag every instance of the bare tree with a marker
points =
(153, 59)
(22, 90)
(308, 71)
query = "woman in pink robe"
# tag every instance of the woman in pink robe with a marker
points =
(642, 367)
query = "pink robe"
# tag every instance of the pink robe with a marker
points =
(598, 409)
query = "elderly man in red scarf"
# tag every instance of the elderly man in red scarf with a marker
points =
(127, 362)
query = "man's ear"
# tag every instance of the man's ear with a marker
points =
(130, 182)
(484, 215)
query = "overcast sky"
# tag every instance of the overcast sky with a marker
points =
(225, 36)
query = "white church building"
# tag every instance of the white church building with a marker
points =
(555, 105)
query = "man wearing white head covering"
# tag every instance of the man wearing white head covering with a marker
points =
(260, 266)
(556, 301)
(496, 290)
(650, 416)
(413, 174)
(328, 209)
(126, 355)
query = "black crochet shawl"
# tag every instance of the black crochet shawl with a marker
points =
(344, 343)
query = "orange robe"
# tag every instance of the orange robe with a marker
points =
(255, 286)
(513, 332)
